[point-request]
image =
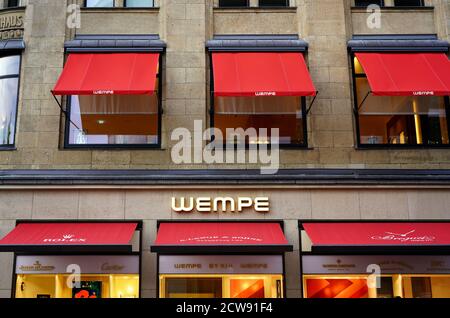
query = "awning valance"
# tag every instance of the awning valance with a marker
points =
(407, 74)
(261, 74)
(217, 237)
(331, 237)
(109, 74)
(69, 237)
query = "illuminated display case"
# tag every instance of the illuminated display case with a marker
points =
(77, 277)
(221, 276)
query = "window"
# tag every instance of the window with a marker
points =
(114, 120)
(396, 3)
(9, 91)
(274, 3)
(285, 113)
(12, 3)
(233, 3)
(139, 3)
(365, 3)
(409, 3)
(99, 3)
(399, 120)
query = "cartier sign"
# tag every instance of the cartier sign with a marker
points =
(220, 204)
(11, 25)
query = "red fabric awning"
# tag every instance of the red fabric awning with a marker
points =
(217, 237)
(261, 74)
(366, 235)
(109, 74)
(407, 74)
(81, 237)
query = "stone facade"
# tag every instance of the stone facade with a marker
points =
(154, 203)
(185, 26)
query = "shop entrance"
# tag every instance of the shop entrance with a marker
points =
(77, 276)
(221, 286)
(221, 259)
(90, 286)
(375, 259)
(75, 259)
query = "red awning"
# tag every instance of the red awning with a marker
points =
(69, 237)
(109, 74)
(370, 236)
(407, 74)
(261, 74)
(220, 237)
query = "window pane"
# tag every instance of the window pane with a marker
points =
(408, 3)
(233, 3)
(365, 3)
(139, 3)
(386, 289)
(9, 65)
(284, 113)
(409, 120)
(193, 288)
(8, 105)
(273, 3)
(114, 120)
(99, 3)
(421, 287)
(12, 3)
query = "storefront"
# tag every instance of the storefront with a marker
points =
(221, 259)
(375, 259)
(260, 82)
(75, 259)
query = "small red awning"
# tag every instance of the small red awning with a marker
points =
(219, 237)
(69, 237)
(340, 237)
(261, 74)
(407, 74)
(109, 74)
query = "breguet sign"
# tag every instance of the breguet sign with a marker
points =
(220, 204)
(11, 25)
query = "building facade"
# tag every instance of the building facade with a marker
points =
(351, 156)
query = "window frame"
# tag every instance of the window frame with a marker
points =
(212, 113)
(156, 146)
(86, 6)
(18, 76)
(360, 145)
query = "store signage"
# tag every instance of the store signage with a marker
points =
(390, 264)
(103, 264)
(103, 92)
(37, 267)
(220, 204)
(265, 94)
(11, 25)
(424, 93)
(67, 238)
(221, 264)
(409, 236)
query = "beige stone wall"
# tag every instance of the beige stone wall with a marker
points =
(288, 204)
(185, 26)
(255, 21)
(396, 22)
